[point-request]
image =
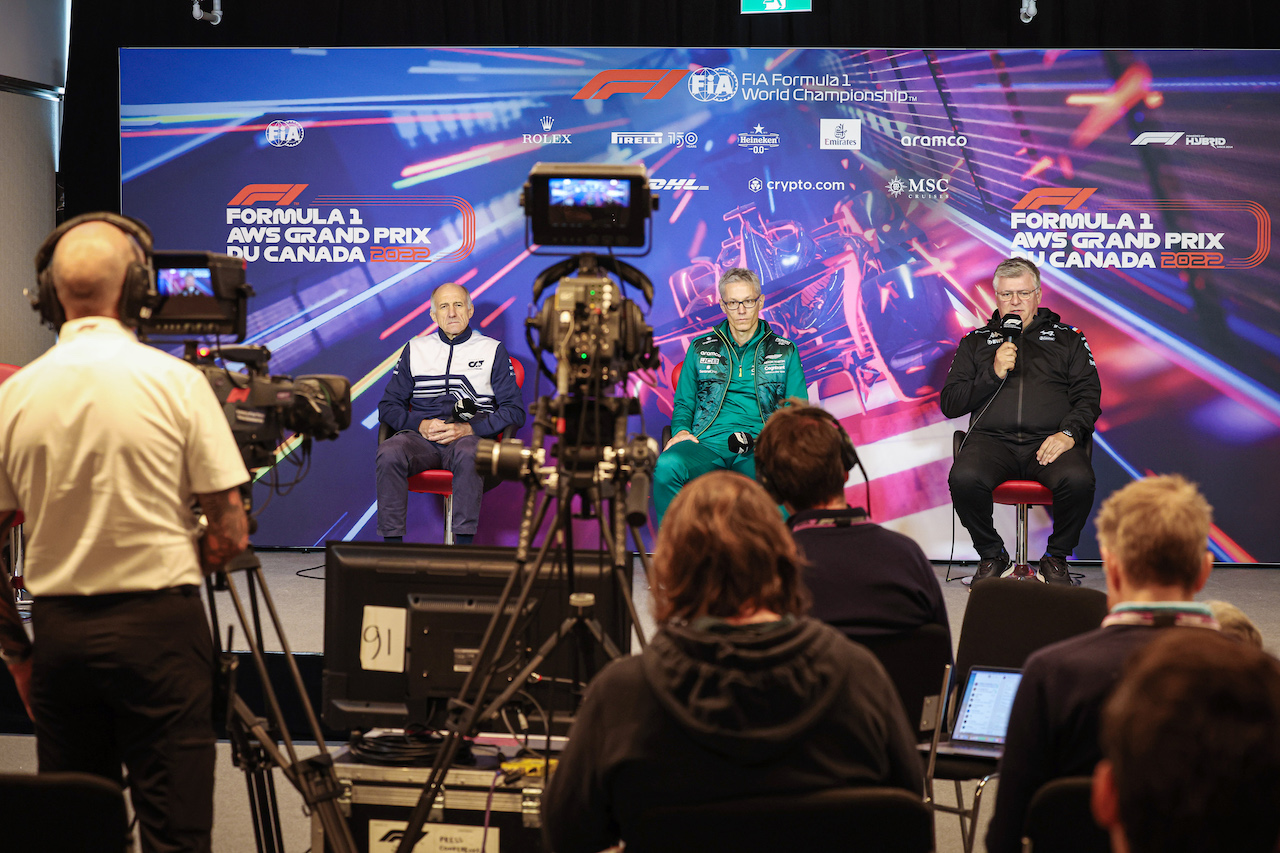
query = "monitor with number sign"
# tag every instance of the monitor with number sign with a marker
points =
(403, 622)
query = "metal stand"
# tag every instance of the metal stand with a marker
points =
(468, 710)
(1021, 569)
(254, 739)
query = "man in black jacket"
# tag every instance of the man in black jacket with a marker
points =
(1033, 398)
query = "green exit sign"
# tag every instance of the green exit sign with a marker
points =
(756, 7)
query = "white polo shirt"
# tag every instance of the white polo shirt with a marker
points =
(104, 441)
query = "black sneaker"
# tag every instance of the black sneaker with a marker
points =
(992, 567)
(1054, 569)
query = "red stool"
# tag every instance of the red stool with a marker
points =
(437, 481)
(1022, 494)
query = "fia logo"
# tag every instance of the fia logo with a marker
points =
(284, 134)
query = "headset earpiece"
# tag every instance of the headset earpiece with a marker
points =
(848, 454)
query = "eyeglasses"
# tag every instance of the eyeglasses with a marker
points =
(1023, 295)
(735, 304)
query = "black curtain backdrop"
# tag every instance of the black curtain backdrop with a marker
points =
(90, 165)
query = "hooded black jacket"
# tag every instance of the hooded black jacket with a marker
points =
(1053, 386)
(703, 716)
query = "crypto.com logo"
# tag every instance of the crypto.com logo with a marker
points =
(281, 194)
(653, 83)
(1068, 198)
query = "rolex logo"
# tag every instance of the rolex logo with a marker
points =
(547, 121)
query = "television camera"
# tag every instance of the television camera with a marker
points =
(597, 337)
(203, 293)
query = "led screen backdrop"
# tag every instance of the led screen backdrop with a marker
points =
(874, 191)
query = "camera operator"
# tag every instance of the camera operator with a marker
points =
(103, 443)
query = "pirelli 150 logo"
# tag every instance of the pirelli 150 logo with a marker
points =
(1068, 227)
(268, 223)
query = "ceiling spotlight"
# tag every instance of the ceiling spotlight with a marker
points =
(215, 16)
(1028, 10)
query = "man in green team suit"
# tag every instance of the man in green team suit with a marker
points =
(734, 377)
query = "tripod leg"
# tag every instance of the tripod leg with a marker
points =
(469, 697)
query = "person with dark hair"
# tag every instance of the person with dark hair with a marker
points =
(864, 578)
(434, 375)
(106, 444)
(1030, 386)
(739, 694)
(733, 378)
(1191, 749)
(1154, 539)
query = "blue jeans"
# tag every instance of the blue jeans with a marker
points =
(407, 453)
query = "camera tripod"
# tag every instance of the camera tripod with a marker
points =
(594, 474)
(254, 739)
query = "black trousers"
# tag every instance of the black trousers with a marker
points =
(985, 462)
(128, 679)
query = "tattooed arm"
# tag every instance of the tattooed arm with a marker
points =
(228, 532)
(15, 646)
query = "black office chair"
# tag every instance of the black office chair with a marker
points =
(1060, 820)
(63, 813)
(869, 820)
(915, 661)
(1004, 623)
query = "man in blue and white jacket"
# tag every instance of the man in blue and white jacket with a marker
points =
(433, 374)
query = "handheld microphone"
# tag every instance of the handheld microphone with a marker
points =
(741, 443)
(1011, 325)
(463, 410)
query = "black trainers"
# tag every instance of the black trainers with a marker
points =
(1054, 569)
(992, 567)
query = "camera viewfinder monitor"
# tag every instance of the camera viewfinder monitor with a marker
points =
(403, 623)
(198, 293)
(588, 204)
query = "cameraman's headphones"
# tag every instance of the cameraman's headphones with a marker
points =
(138, 292)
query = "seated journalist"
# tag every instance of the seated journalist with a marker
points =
(864, 579)
(738, 695)
(1154, 537)
(434, 374)
(1191, 749)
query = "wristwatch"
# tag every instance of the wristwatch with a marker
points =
(1068, 433)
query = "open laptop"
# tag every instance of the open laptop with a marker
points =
(983, 718)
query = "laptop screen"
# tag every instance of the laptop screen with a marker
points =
(985, 706)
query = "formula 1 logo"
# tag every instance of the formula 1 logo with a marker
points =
(1069, 198)
(1154, 138)
(653, 83)
(281, 194)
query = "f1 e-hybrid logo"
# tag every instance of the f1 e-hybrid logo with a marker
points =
(281, 194)
(653, 83)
